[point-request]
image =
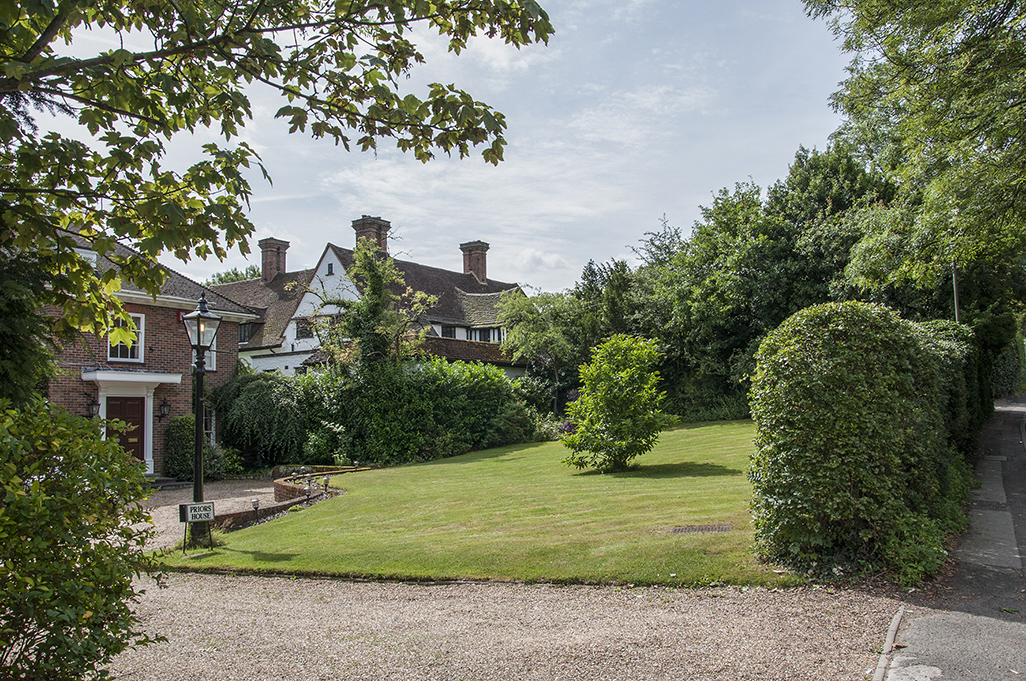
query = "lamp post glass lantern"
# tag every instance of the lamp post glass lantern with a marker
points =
(201, 326)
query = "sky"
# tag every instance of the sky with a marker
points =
(636, 109)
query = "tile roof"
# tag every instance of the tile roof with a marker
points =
(449, 348)
(467, 351)
(176, 285)
(276, 302)
(462, 299)
(480, 309)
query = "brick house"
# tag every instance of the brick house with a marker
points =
(463, 324)
(138, 384)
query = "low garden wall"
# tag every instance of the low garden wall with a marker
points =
(228, 521)
(290, 489)
(294, 485)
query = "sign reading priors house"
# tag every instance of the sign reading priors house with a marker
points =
(201, 512)
(196, 513)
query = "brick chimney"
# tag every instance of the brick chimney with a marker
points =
(375, 229)
(475, 259)
(272, 262)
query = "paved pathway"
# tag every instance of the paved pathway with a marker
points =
(978, 630)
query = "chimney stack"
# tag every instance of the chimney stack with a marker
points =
(273, 258)
(375, 229)
(475, 259)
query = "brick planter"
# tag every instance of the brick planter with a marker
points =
(228, 521)
(294, 486)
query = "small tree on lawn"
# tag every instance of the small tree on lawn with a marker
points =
(617, 416)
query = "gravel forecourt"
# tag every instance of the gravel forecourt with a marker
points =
(244, 628)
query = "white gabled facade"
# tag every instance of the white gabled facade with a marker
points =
(292, 302)
(329, 282)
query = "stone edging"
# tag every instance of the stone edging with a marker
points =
(289, 491)
(227, 521)
(294, 486)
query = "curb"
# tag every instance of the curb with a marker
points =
(884, 662)
(1022, 431)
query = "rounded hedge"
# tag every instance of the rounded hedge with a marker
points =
(854, 465)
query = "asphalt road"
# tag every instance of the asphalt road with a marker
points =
(977, 628)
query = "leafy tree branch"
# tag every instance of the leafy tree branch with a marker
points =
(339, 67)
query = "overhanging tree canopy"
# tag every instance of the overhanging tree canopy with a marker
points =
(935, 97)
(184, 65)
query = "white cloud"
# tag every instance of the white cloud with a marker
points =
(618, 10)
(639, 108)
(639, 117)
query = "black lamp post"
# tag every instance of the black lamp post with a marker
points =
(201, 326)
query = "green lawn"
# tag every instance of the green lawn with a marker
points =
(517, 513)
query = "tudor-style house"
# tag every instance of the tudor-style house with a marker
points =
(150, 382)
(462, 325)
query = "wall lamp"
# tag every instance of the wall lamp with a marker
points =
(93, 407)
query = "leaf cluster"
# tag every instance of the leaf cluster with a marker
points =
(376, 321)
(394, 412)
(234, 274)
(552, 333)
(384, 412)
(617, 415)
(26, 343)
(262, 416)
(180, 451)
(182, 66)
(751, 262)
(934, 99)
(70, 544)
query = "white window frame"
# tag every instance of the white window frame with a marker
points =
(138, 347)
(209, 357)
(88, 255)
(210, 425)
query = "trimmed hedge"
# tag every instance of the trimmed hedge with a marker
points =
(180, 447)
(864, 420)
(395, 412)
(383, 413)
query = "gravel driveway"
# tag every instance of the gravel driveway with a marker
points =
(227, 495)
(247, 628)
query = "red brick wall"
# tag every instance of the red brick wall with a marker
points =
(166, 350)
